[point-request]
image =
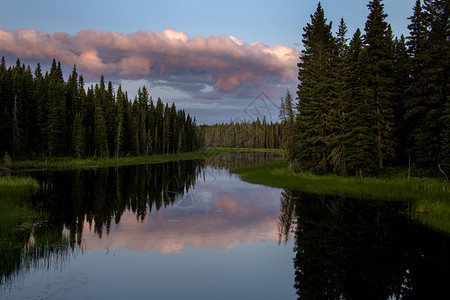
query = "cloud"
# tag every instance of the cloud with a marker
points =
(226, 63)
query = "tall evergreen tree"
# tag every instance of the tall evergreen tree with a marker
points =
(100, 129)
(360, 139)
(56, 120)
(401, 75)
(378, 40)
(340, 97)
(428, 46)
(289, 128)
(315, 98)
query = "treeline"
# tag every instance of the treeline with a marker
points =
(45, 116)
(375, 100)
(245, 134)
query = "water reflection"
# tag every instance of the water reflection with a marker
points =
(159, 207)
(340, 248)
(352, 249)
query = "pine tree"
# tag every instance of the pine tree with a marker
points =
(316, 82)
(121, 140)
(428, 46)
(56, 119)
(289, 129)
(401, 77)
(360, 139)
(100, 134)
(340, 97)
(378, 40)
(78, 139)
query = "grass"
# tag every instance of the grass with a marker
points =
(17, 186)
(14, 210)
(69, 163)
(276, 174)
(430, 196)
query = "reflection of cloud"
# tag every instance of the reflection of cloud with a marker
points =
(227, 61)
(223, 223)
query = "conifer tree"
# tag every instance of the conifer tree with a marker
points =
(78, 139)
(100, 131)
(316, 82)
(401, 77)
(378, 40)
(56, 119)
(340, 97)
(360, 139)
(289, 129)
(428, 46)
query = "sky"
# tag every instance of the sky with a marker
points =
(218, 60)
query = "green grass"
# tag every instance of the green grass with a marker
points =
(14, 210)
(276, 174)
(17, 186)
(69, 163)
(430, 196)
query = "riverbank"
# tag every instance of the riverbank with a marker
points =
(430, 196)
(69, 163)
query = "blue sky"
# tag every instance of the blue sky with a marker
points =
(212, 90)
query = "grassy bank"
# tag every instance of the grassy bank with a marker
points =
(276, 174)
(431, 197)
(69, 163)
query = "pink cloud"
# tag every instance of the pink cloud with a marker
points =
(229, 61)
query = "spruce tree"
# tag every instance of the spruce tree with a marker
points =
(100, 130)
(56, 124)
(401, 77)
(314, 96)
(378, 40)
(360, 139)
(289, 129)
(428, 46)
(338, 116)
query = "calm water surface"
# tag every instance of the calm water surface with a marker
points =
(192, 230)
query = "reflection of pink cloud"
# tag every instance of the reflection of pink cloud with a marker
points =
(227, 224)
(229, 61)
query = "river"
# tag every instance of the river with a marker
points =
(193, 230)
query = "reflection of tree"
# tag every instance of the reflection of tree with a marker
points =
(350, 249)
(101, 196)
(98, 197)
(286, 221)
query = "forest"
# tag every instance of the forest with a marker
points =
(373, 100)
(362, 103)
(46, 116)
(244, 134)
